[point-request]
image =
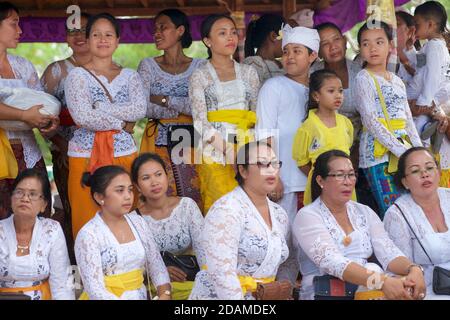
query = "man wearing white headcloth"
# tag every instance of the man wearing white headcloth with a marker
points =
(281, 109)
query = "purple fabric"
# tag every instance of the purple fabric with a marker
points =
(346, 13)
(132, 30)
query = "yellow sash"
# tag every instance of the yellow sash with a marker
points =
(8, 162)
(243, 120)
(248, 283)
(396, 124)
(119, 283)
(44, 288)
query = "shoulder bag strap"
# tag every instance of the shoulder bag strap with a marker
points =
(418, 240)
(101, 83)
(382, 102)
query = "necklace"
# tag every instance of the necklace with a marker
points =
(23, 249)
(347, 240)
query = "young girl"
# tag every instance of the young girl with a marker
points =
(262, 46)
(405, 46)
(282, 108)
(385, 114)
(324, 129)
(114, 248)
(223, 97)
(433, 63)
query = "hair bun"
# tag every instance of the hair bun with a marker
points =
(86, 179)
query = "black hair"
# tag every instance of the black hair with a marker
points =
(243, 157)
(101, 178)
(258, 30)
(322, 169)
(316, 80)
(433, 10)
(179, 18)
(371, 25)
(41, 177)
(407, 18)
(141, 160)
(401, 169)
(93, 19)
(5, 10)
(327, 25)
(207, 24)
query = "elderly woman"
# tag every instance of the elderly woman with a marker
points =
(421, 216)
(336, 236)
(244, 235)
(33, 252)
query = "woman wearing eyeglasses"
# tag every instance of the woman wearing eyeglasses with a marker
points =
(421, 217)
(33, 252)
(245, 234)
(336, 236)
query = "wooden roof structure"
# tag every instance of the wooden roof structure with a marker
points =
(148, 8)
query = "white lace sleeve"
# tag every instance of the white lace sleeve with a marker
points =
(258, 64)
(252, 79)
(154, 111)
(315, 240)
(411, 129)
(385, 250)
(129, 111)
(195, 230)
(157, 269)
(89, 262)
(397, 229)
(197, 88)
(60, 278)
(367, 107)
(79, 102)
(432, 74)
(285, 269)
(33, 81)
(222, 231)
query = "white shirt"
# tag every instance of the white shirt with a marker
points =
(412, 58)
(436, 244)
(48, 260)
(320, 241)
(99, 254)
(281, 109)
(433, 70)
(238, 242)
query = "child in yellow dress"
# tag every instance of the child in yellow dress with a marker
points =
(324, 129)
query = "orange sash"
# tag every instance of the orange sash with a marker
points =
(44, 288)
(8, 162)
(103, 150)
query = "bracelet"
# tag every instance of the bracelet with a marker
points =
(376, 283)
(415, 265)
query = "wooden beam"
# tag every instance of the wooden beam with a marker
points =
(181, 3)
(151, 11)
(289, 7)
(110, 3)
(237, 5)
(144, 3)
(40, 4)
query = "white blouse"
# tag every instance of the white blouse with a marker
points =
(92, 111)
(266, 69)
(208, 93)
(179, 232)
(368, 105)
(99, 254)
(238, 242)
(436, 244)
(320, 242)
(433, 70)
(25, 76)
(48, 260)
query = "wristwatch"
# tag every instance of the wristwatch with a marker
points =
(164, 101)
(415, 265)
(166, 292)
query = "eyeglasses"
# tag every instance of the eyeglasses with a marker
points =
(352, 176)
(72, 32)
(266, 164)
(418, 172)
(33, 196)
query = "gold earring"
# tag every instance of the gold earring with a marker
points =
(102, 202)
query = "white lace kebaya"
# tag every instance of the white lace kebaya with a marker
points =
(436, 244)
(48, 260)
(238, 242)
(92, 111)
(99, 254)
(25, 76)
(320, 241)
(180, 232)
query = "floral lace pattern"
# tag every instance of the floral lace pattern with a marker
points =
(368, 105)
(320, 242)
(237, 242)
(99, 254)
(129, 105)
(25, 76)
(436, 244)
(266, 69)
(180, 232)
(48, 260)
